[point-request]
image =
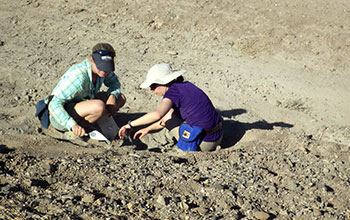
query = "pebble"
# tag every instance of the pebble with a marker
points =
(200, 210)
(223, 204)
(48, 166)
(6, 189)
(173, 53)
(218, 187)
(111, 188)
(130, 205)
(161, 200)
(51, 180)
(27, 182)
(88, 198)
(197, 177)
(317, 212)
(283, 213)
(184, 206)
(67, 197)
(261, 215)
(98, 202)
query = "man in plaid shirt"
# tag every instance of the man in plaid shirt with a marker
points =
(77, 102)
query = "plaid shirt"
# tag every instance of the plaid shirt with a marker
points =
(76, 86)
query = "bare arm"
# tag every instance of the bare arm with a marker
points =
(156, 115)
(143, 132)
(150, 117)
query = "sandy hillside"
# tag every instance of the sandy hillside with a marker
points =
(277, 71)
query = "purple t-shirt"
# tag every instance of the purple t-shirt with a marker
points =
(194, 107)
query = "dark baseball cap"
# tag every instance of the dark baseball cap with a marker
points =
(104, 60)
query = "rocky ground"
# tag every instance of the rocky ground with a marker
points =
(277, 72)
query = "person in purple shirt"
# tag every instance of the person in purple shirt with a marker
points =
(182, 101)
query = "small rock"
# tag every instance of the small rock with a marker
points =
(48, 166)
(293, 185)
(200, 210)
(111, 188)
(129, 205)
(173, 53)
(184, 206)
(261, 215)
(88, 198)
(303, 149)
(51, 180)
(98, 202)
(6, 189)
(67, 197)
(223, 204)
(27, 182)
(218, 187)
(161, 200)
(197, 177)
(317, 212)
(283, 213)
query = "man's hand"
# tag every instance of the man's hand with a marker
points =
(78, 130)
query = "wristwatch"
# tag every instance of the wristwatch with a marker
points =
(129, 123)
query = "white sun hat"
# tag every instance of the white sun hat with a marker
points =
(161, 74)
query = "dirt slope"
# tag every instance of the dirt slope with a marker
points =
(277, 71)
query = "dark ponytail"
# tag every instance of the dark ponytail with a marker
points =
(179, 79)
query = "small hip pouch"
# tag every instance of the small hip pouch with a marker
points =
(189, 137)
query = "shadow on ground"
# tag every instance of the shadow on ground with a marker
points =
(234, 130)
(122, 119)
(4, 149)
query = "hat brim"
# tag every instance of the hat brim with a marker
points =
(162, 81)
(102, 63)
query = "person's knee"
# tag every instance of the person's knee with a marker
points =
(210, 146)
(98, 108)
(207, 148)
